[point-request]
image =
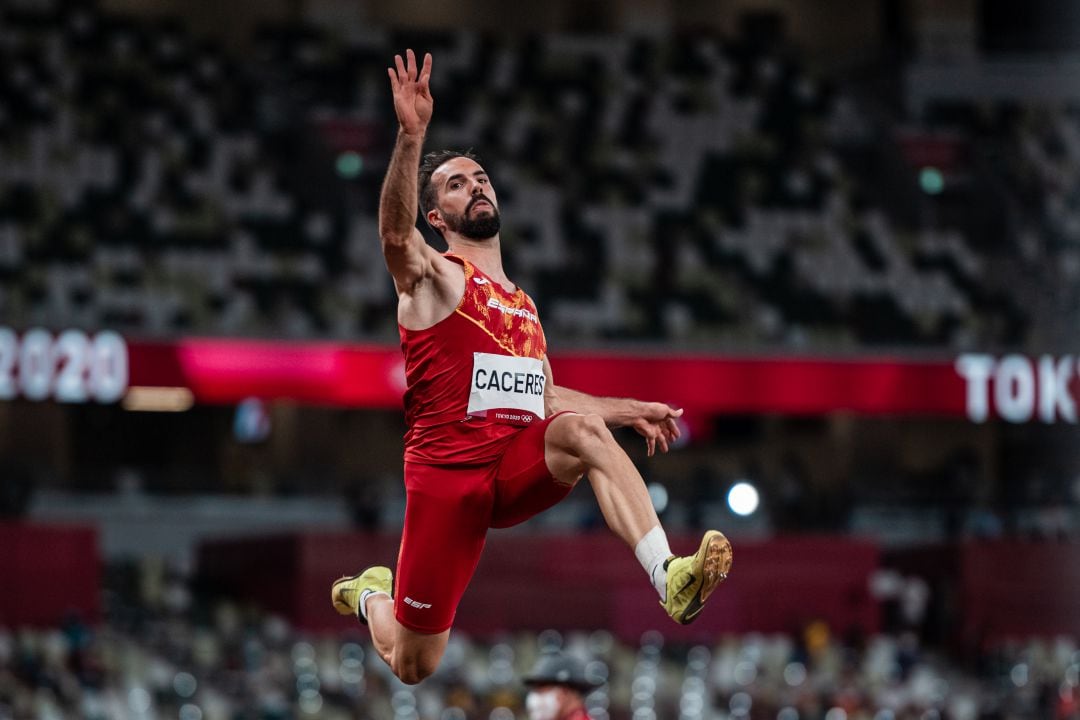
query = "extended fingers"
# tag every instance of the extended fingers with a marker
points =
(411, 64)
(407, 70)
(425, 72)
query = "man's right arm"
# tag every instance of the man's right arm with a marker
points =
(408, 256)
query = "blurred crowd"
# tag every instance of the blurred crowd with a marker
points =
(166, 652)
(705, 189)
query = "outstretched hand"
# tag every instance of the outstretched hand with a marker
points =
(657, 424)
(412, 95)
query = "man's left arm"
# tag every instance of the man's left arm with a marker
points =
(654, 421)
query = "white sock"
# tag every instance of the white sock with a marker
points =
(651, 551)
(362, 605)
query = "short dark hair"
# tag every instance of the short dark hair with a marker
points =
(432, 162)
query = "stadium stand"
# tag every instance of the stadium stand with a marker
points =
(726, 193)
(166, 652)
(731, 194)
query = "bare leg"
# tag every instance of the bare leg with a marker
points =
(411, 655)
(576, 444)
(383, 626)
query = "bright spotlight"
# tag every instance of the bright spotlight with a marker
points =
(931, 180)
(349, 165)
(743, 498)
(659, 496)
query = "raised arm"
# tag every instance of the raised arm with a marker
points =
(408, 257)
(654, 421)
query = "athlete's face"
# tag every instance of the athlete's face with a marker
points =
(466, 202)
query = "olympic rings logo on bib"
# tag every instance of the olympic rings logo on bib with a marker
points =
(509, 417)
(507, 389)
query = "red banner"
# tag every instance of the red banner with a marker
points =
(790, 386)
(228, 371)
(1015, 388)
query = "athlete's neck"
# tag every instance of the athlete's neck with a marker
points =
(484, 254)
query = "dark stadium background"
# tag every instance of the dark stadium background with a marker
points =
(845, 236)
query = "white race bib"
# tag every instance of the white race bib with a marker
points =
(507, 389)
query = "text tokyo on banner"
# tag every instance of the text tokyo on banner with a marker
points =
(1017, 388)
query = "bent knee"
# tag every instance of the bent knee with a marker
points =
(586, 430)
(574, 446)
(412, 669)
(412, 676)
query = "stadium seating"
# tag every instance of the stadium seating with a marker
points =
(153, 661)
(705, 189)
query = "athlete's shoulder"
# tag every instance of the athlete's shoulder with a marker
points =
(529, 299)
(430, 302)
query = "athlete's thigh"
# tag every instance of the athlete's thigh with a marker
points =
(447, 513)
(524, 482)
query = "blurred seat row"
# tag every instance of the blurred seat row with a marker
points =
(705, 189)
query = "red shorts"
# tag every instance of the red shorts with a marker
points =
(448, 510)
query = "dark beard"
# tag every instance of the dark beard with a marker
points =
(484, 227)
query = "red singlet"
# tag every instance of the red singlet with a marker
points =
(474, 449)
(439, 366)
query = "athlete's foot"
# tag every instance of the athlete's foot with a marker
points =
(346, 592)
(691, 579)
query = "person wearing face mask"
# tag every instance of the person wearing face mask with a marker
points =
(557, 686)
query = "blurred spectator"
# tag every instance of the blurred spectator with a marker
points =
(217, 660)
(557, 685)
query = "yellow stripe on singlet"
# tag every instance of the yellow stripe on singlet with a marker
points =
(480, 325)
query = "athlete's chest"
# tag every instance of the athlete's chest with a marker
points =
(509, 319)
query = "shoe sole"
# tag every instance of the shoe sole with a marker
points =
(712, 563)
